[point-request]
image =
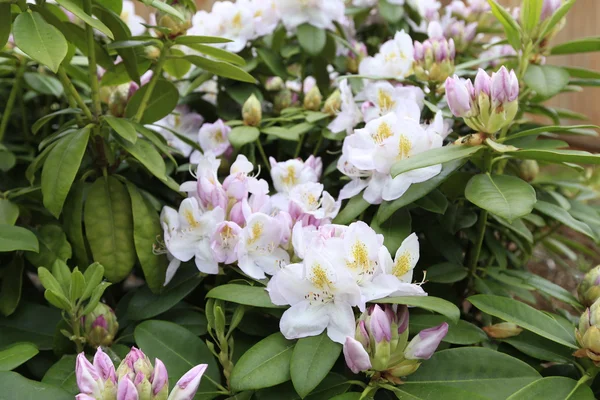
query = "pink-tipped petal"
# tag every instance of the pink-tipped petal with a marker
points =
(160, 378)
(126, 390)
(380, 325)
(86, 374)
(357, 358)
(425, 343)
(186, 387)
(104, 366)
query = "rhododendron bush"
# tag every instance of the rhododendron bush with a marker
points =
(294, 199)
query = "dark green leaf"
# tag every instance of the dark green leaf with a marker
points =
(163, 100)
(220, 68)
(311, 38)
(62, 374)
(32, 323)
(554, 388)
(17, 238)
(430, 303)
(312, 359)
(15, 355)
(255, 296)
(241, 135)
(13, 383)
(10, 290)
(446, 273)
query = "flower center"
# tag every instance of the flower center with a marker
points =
(189, 217)
(385, 100)
(402, 265)
(384, 131)
(257, 230)
(404, 147)
(290, 179)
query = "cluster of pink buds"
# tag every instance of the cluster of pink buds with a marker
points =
(488, 105)
(381, 344)
(434, 59)
(135, 379)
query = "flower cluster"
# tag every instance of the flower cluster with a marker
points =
(588, 290)
(135, 379)
(238, 221)
(341, 267)
(380, 344)
(489, 104)
(434, 58)
(588, 334)
(393, 61)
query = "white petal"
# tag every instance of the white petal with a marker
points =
(303, 319)
(341, 322)
(171, 270)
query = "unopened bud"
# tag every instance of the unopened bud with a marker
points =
(333, 103)
(588, 290)
(100, 326)
(118, 99)
(312, 99)
(357, 358)
(588, 334)
(422, 346)
(284, 99)
(274, 84)
(528, 170)
(252, 111)
(434, 59)
(502, 330)
(175, 26)
(152, 52)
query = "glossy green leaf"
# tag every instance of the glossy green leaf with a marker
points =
(332, 386)
(561, 215)
(430, 303)
(506, 196)
(538, 347)
(11, 286)
(461, 332)
(15, 355)
(446, 273)
(39, 40)
(5, 23)
(487, 372)
(13, 383)
(17, 238)
(221, 68)
(32, 323)
(554, 388)
(53, 244)
(62, 374)
(48, 117)
(193, 321)
(546, 80)
(434, 157)
(109, 227)
(122, 127)
(43, 84)
(311, 39)
(511, 28)
(73, 221)
(434, 202)
(179, 349)
(241, 135)
(525, 316)
(255, 296)
(60, 169)
(355, 206)
(265, 364)
(583, 45)
(162, 102)
(148, 156)
(312, 359)
(88, 19)
(9, 212)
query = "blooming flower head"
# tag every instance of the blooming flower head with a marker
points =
(349, 115)
(320, 14)
(394, 60)
(214, 137)
(132, 20)
(288, 174)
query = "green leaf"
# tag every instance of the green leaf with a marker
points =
(265, 364)
(355, 206)
(311, 39)
(179, 349)
(193, 321)
(49, 281)
(506, 196)
(530, 15)
(554, 128)
(9, 212)
(122, 127)
(189, 39)
(5, 23)
(47, 118)
(144, 304)
(109, 227)
(434, 202)
(221, 68)
(312, 359)
(525, 316)
(164, 7)
(538, 347)
(461, 332)
(554, 388)
(511, 28)
(241, 135)
(62, 374)
(273, 61)
(39, 40)
(394, 229)
(95, 298)
(218, 53)
(332, 386)
(10, 289)
(446, 273)
(61, 167)
(557, 156)
(146, 228)
(77, 285)
(281, 133)
(392, 13)
(584, 45)
(255, 296)
(562, 216)
(88, 19)
(73, 221)
(15, 355)
(44, 84)
(53, 244)
(434, 157)
(430, 303)
(545, 286)
(546, 80)
(177, 66)
(486, 372)
(32, 323)
(13, 383)
(556, 17)
(7, 160)
(16, 238)
(163, 100)
(148, 156)
(93, 276)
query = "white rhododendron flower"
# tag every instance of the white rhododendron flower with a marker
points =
(214, 137)
(349, 115)
(394, 59)
(318, 13)
(381, 98)
(288, 174)
(132, 20)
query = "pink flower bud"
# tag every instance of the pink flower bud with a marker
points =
(88, 378)
(126, 390)
(186, 387)
(505, 87)
(483, 83)
(402, 316)
(104, 366)
(549, 7)
(425, 343)
(160, 380)
(380, 325)
(357, 358)
(419, 53)
(435, 31)
(458, 96)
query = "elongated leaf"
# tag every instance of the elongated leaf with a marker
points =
(190, 39)
(220, 68)
(430, 303)
(557, 156)
(351, 210)
(122, 127)
(530, 15)
(461, 332)
(88, 19)
(44, 84)
(10, 289)
(73, 222)
(17, 238)
(446, 273)
(163, 100)
(218, 53)
(506, 196)
(434, 157)
(511, 28)
(545, 286)
(556, 17)
(60, 169)
(62, 375)
(39, 40)
(561, 215)
(265, 364)
(311, 38)
(332, 386)
(179, 349)
(273, 61)
(525, 316)
(548, 129)
(5, 23)
(583, 45)
(32, 323)
(47, 118)
(554, 388)
(255, 296)
(281, 133)
(109, 227)
(15, 355)
(148, 156)
(13, 383)
(53, 245)
(159, 5)
(312, 359)
(241, 135)
(546, 80)
(538, 347)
